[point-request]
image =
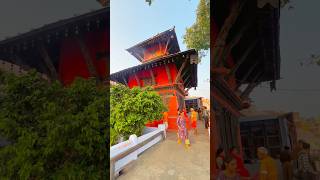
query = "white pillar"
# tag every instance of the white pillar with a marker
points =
(162, 127)
(133, 139)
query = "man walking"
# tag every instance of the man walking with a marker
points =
(205, 116)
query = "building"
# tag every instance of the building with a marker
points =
(165, 68)
(245, 52)
(273, 132)
(193, 102)
(64, 50)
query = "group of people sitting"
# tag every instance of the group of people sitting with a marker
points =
(297, 164)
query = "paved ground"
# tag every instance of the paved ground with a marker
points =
(169, 160)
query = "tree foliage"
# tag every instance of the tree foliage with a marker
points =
(131, 109)
(198, 35)
(54, 132)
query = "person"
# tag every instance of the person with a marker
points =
(165, 119)
(241, 169)
(268, 167)
(205, 116)
(285, 159)
(230, 171)
(306, 169)
(194, 117)
(220, 159)
(199, 114)
(297, 149)
(182, 130)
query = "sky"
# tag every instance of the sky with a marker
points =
(299, 87)
(134, 21)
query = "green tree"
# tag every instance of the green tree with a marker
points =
(198, 35)
(131, 109)
(54, 132)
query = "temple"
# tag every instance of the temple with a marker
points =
(165, 68)
(245, 52)
(64, 50)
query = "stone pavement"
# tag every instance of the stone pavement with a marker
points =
(169, 160)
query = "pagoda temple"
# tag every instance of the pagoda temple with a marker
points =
(63, 50)
(165, 68)
(244, 52)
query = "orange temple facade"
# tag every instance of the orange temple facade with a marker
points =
(166, 69)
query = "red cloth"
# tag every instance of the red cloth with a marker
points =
(243, 172)
(194, 124)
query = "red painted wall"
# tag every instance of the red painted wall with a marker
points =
(159, 72)
(161, 79)
(72, 63)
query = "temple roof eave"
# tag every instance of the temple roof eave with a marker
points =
(177, 58)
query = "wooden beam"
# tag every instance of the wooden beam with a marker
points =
(137, 79)
(48, 62)
(168, 41)
(220, 71)
(249, 89)
(152, 77)
(85, 52)
(251, 86)
(186, 91)
(224, 31)
(226, 52)
(243, 58)
(180, 71)
(168, 73)
(141, 58)
(248, 74)
(125, 81)
(182, 75)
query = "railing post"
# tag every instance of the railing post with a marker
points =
(134, 140)
(112, 170)
(162, 127)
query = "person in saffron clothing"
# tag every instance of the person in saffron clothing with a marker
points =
(194, 117)
(182, 130)
(241, 169)
(165, 119)
(268, 167)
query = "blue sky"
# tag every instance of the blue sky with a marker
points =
(134, 21)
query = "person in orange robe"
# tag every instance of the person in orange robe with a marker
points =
(194, 116)
(165, 119)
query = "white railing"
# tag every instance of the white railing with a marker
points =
(125, 152)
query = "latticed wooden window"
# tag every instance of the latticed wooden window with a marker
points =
(147, 82)
(166, 100)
